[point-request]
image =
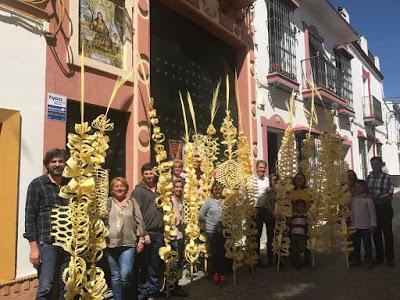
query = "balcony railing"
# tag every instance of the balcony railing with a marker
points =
(328, 76)
(372, 109)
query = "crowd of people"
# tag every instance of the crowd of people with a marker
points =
(135, 226)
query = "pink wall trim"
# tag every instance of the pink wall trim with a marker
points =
(343, 49)
(281, 79)
(275, 121)
(307, 54)
(367, 76)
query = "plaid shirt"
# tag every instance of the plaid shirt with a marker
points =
(41, 198)
(380, 187)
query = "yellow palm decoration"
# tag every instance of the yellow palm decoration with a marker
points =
(283, 207)
(78, 227)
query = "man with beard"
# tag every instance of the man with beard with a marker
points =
(150, 263)
(42, 197)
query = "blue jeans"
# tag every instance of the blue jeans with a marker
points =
(178, 246)
(217, 246)
(150, 267)
(121, 260)
(53, 262)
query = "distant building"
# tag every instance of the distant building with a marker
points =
(298, 42)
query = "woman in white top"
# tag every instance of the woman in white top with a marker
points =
(211, 214)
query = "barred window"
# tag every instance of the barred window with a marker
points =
(343, 70)
(282, 38)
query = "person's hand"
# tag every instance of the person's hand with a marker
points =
(147, 240)
(140, 246)
(372, 229)
(34, 254)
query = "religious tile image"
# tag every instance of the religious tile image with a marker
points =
(101, 30)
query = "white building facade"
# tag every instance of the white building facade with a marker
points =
(300, 43)
(22, 94)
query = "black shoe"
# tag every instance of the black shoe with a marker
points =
(390, 263)
(159, 294)
(368, 265)
(260, 264)
(179, 292)
(306, 263)
(378, 261)
(354, 262)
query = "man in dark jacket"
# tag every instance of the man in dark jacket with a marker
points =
(380, 188)
(42, 197)
(151, 264)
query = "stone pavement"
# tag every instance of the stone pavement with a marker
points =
(329, 279)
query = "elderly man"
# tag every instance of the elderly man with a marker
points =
(380, 188)
(42, 197)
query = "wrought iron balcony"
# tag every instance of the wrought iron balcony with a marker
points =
(372, 109)
(334, 83)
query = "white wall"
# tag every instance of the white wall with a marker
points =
(390, 150)
(22, 88)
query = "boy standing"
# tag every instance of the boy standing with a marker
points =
(363, 219)
(298, 232)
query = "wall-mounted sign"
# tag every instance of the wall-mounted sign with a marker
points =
(56, 107)
(175, 149)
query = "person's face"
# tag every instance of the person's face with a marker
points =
(261, 169)
(217, 191)
(358, 189)
(100, 16)
(196, 163)
(148, 177)
(376, 166)
(299, 208)
(56, 166)
(274, 181)
(119, 190)
(177, 170)
(178, 188)
(351, 176)
(299, 181)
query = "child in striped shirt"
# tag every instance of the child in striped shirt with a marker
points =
(298, 233)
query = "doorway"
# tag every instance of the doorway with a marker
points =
(274, 138)
(115, 160)
(186, 58)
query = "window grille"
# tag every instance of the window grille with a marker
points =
(282, 39)
(333, 75)
(345, 87)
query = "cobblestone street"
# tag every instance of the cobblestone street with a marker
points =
(329, 279)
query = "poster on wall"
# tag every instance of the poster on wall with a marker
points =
(175, 149)
(101, 30)
(56, 107)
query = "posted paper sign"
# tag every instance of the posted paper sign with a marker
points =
(56, 107)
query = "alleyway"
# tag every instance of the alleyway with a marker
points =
(329, 279)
